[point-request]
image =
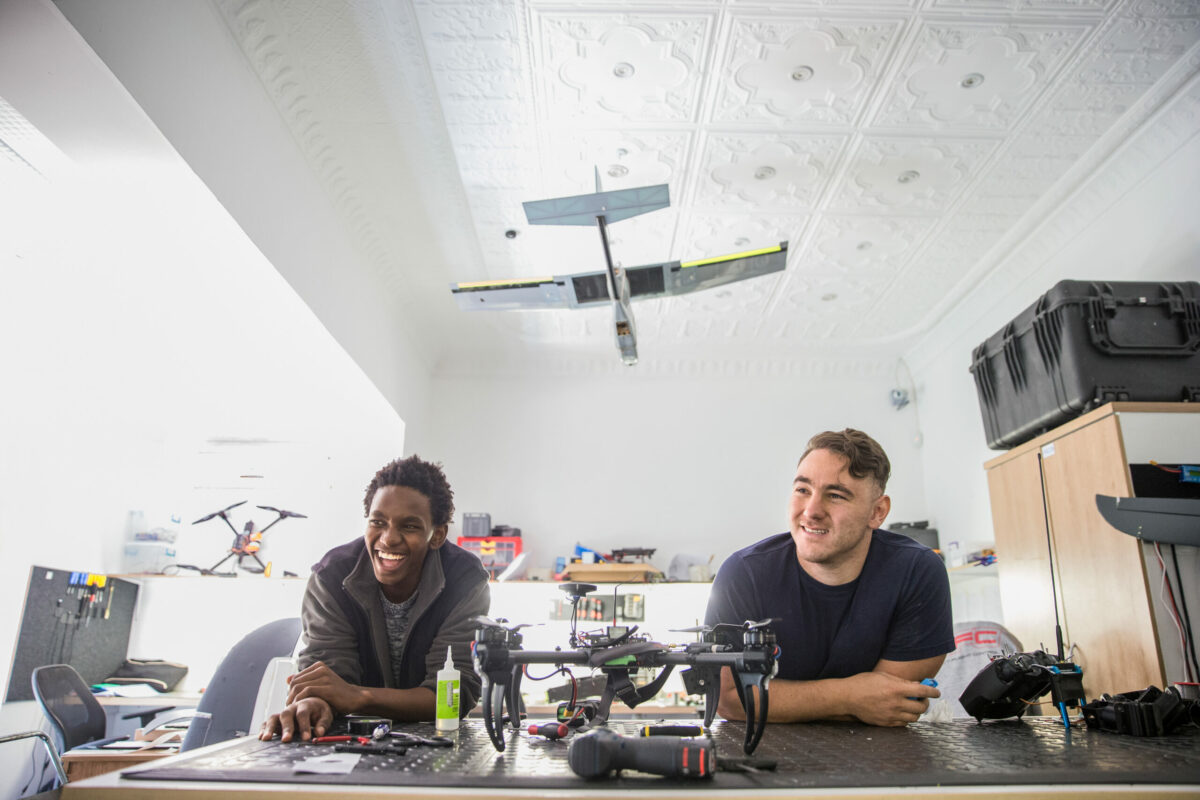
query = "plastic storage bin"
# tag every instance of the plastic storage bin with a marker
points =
(1083, 344)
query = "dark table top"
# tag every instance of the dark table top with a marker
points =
(813, 755)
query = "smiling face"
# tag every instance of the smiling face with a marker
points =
(400, 532)
(832, 515)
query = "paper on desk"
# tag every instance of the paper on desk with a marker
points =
(127, 690)
(330, 764)
(133, 744)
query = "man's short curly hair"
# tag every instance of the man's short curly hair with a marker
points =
(865, 456)
(423, 476)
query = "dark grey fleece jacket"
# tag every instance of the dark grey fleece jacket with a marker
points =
(344, 624)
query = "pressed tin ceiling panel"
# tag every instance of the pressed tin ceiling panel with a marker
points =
(898, 146)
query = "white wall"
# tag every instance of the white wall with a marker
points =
(699, 465)
(181, 64)
(138, 324)
(1132, 221)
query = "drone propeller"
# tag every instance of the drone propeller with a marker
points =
(283, 513)
(751, 625)
(220, 513)
(502, 624)
(692, 629)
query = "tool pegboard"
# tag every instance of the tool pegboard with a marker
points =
(75, 618)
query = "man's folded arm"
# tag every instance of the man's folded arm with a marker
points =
(879, 697)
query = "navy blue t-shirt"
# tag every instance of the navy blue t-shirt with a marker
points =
(898, 608)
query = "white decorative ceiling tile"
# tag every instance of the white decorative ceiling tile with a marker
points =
(887, 319)
(624, 159)
(473, 21)
(620, 68)
(708, 235)
(854, 245)
(1091, 6)
(1134, 52)
(975, 76)
(828, 296)
(800, 70)
(744, 170)
(908, 175)
(1083, 109)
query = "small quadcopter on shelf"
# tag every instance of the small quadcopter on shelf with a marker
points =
(249, 541)
(749, 650)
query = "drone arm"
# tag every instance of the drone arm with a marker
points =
(272, 524)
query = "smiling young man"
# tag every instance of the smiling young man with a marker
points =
(380, 611)
(863, 614)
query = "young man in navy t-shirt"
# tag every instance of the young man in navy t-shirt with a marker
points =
(863, 615)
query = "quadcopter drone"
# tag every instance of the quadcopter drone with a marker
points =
(749, 650)
(249, 541)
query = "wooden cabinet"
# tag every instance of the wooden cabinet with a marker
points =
(1099, 576)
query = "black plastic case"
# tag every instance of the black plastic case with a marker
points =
(1084, 344)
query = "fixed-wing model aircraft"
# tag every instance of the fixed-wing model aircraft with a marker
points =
(615, 284)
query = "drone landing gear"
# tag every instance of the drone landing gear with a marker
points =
(261, 566)
(756, 719)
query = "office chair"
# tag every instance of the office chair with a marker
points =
(75, 715)
(228, 703)
(77, 718)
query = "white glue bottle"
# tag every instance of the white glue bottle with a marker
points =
(447, 696)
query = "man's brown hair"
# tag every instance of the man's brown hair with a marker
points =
(866, 458)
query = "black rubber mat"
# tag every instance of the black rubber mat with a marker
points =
(813, 755)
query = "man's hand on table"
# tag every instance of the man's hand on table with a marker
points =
(307, 718)
(320, 681)
(888, 701)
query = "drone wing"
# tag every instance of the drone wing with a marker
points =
(583, 209)
(591, 288)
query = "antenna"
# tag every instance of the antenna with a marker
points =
(1058, 638)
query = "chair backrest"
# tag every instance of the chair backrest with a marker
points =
(975, 642)
(225, 708)
(75, 714)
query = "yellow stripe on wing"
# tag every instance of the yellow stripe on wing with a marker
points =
(501, 283)
(731, 257)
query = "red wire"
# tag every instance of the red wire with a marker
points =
(1174, 609)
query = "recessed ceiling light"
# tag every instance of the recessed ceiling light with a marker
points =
(511, 233)
(972, 80)
(802, 73)
(623, 69)
(908, 176)
(863, 246)
(618, 171)
(764, 172)
(829, 298)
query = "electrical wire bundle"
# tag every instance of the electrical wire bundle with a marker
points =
(1176, 606)
(1172, 596)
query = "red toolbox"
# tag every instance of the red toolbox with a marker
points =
(496, 552)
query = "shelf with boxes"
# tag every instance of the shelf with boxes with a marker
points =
(499, 548)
